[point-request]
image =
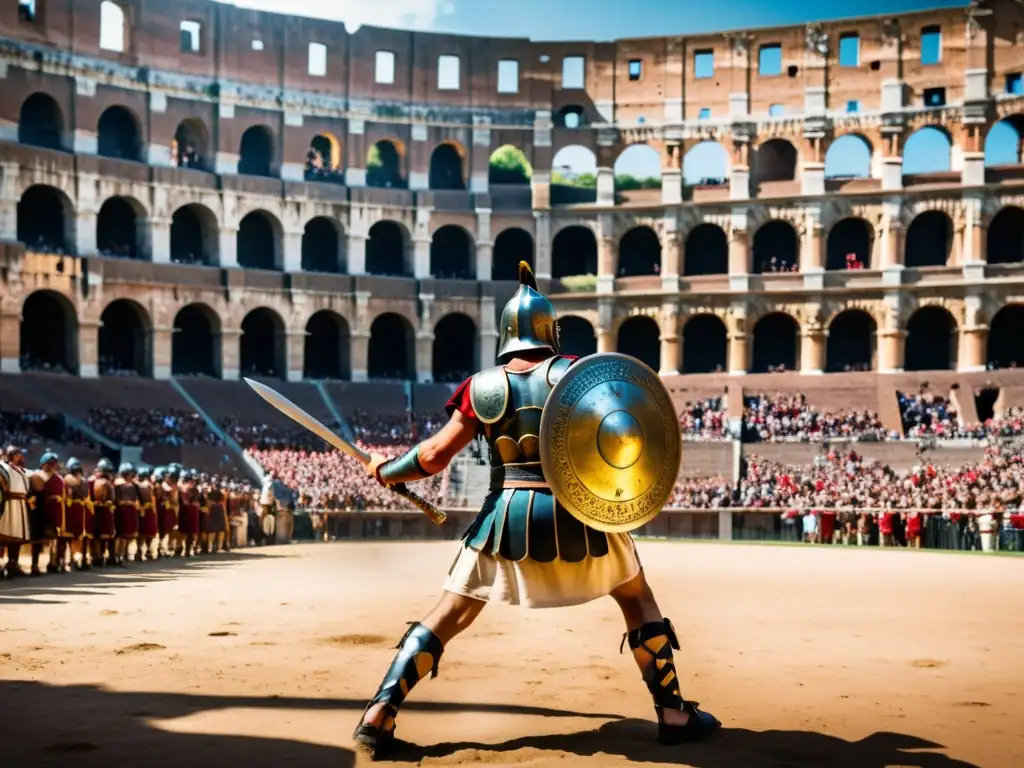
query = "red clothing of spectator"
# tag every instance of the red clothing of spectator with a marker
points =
(827, 520)
(885, 523)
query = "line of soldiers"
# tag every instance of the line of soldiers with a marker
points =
(85, 522)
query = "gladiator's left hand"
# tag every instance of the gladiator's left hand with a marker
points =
(375, 461)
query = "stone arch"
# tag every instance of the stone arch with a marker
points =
(705, 344)
(261, 346)
(931, 343)
(256, 152)
(452, 253)
(849, 245)
(321, 242)
(927, 150)
(640, 337)
(194, 235)
(118, 134)
(776, 343)
(323, 160)
(638, 166)
(706, 251)
(574, 252)
(45, 220)
(258, 242)
(447, 166)
(392, 351)
(508, 165)
(41, 122)
(125, 340)
(1005, 239)
(384, 164)
(1004, 347)
(706, 163)
(776, 247)
(574, 165)
(326, 352)
(511, 246)
(929, 241)
(1004, 142)
(388, 250)
(639, 253)
(848, 157)
(576, 336)
(191, 147)
(195, 342)
(119, 228)
(851, 342)
(454, 352)
(775, 160)
(49, 333)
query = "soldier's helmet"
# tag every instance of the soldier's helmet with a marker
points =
(126, 468)
(528, 320)
(158, 474)
(105, 465)
(145, 473)
(173, 471)
(13, 450)
(48, 457)
(192, 475)
(74, 466)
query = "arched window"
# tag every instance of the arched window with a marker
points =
(574, 252)
(511, 246)
(326, 352)
(124, 340)
(41, 123)
(384, 166)
(776, 343)
(262, 344)
(195, 345)
(392, 348)
(639, 253)
(446, 167)
(256, 152)
(706, 251)
(454, 358)
(113, 28)
(705, 345)
(452, 255)
(49, 333)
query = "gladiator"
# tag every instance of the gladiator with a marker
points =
(102, 491)
(167, 505)
(190, 510)
(148, 527)
(216, 518)
(14, 519)
(78, 515)
(46, 515)
(126, 511)
(524, 548)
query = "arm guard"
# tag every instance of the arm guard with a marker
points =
(402, 469)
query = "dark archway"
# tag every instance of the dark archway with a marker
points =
(576, 336)
(1005, 244)
(1005, 349)
(931, 341)
(849, 245)
(446, 167)
(574, 252)
(641, 338)
(117, 229)
(851, 342)
(256, 152)
(49, 333)
(452, 254)
(320, 243)
(392, 353)
(511, 246)
(775, 160)
(262, 344)
(776, 248)
(326, 351)
(194, 235)
(43, 217)
(386, 250)
(41, 123)
(705, 345)
(257, 241)
(776, 343)
(323, 159)
(384, 166)
(454, 358)
(929, 240)
(639, 253)
(124, 340)
(706, 251)
(191, 147)
(118, 135)
(195, 345)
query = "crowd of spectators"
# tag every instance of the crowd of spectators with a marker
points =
(926, 414)
(781, 417)
(394, 429)
(702, 420)
(151, 426)
(27, 428)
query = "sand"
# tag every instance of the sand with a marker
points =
(811, 656)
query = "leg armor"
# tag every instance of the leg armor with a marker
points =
(652, 646)
(419, 652)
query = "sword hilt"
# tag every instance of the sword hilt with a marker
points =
(437, 517)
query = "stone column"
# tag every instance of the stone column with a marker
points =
(672, 174)
(739, 174)
(672, 255)
(974, 247)
(540, 188)
(973, 344)
(421, 239)
(739, 345)
(360, 355)
(85, 232)
(739, 253)
(295, 354)
(160, 241)
(605, 186)
(892, 238)
(230, 353)
(670, 340)
(88, 349)
(605, 340)
(9, 173)
(163, 345)
(227, 247)
(10, 341)
(812, 247)
(542, 243)
(487, 339)
(484, 244)
(891, 345)
(424, 357)
(356, 249)
(291, 247)
(812, 350)
(607, 257)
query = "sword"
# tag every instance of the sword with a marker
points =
(296, 414)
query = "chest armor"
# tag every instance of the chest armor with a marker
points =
(508, 406)
(78, 490)
(145, 492)
(125, 491)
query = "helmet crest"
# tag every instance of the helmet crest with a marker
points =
(528, 319)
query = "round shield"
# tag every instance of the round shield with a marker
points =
(610, 443)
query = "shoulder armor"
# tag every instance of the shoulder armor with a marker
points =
(4, 477)
(557, 368)
(488, 394)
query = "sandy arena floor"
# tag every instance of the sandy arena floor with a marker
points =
(810, 656)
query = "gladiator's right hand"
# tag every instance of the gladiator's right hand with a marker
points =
(375, 461)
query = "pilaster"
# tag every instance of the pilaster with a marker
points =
(230, 353)
(10, 342)
(162, 351)
(88, 349)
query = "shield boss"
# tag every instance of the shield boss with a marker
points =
(609, 442)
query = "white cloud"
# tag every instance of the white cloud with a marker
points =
(403, 14)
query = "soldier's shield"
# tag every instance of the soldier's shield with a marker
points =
(610, 444)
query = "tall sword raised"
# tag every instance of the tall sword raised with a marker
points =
(299, 416)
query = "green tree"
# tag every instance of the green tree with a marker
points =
(509, 166)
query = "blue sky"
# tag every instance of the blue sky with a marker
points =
(610, 19)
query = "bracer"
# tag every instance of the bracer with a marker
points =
(402, 469)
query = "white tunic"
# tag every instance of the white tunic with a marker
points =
(14, 521)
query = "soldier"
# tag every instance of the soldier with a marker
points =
(268, 509)
(167, 496)
(77, 515)
(46, 514)
(191, 501)
(148, 523)
(216, 516)
(524, 547)
(127, 509)
(102, 491)
(14, 522)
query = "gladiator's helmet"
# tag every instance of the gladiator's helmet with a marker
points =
(158, 474)
(528, 320)
(104, 467)
(48, 458)
(145, 473)
(74, 466)
(126, 468)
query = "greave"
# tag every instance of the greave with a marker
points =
(419, 652)
(652, 646)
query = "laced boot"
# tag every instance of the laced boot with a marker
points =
(419, 652)
(652, 646)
